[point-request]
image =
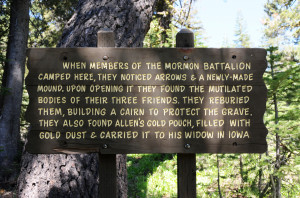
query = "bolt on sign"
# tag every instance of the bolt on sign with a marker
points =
(137, 100)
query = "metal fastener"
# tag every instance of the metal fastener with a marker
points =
(185, 58)
(187, 146)
(105, 57)
(105, 146)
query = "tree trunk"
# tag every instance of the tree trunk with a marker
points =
(12, 86)
(77, 175)
(241, 170)
(277, 178)
(219, 186)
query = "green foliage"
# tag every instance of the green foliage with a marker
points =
(169, 18)
(183, 13)
(256, 175)
(4, 91)
(242, 38)
(152, 175)
(282, 25)
(155, 175)
(4, 18)
(282, 79)
(4, 27)
(163, 182)
(199, 40)
(47, 19)
(24, 125)
(157, 36)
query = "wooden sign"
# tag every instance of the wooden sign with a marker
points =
(138, 100)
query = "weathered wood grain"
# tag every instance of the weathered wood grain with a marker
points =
(50, 61)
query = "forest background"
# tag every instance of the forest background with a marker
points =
(274, 173)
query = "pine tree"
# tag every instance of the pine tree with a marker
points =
(282, 77)
(76, 175)
(242, 38)
(169, 17)
(47, 20)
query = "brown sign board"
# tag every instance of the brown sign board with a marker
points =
(138, 100)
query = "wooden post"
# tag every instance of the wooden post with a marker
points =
(186, 163)
(107, 162)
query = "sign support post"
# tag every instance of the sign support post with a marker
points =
(107, 162)
(186, 163)
(186, 172)
(111, 101)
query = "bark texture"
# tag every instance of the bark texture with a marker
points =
(77, 175)
(129, 19)
(12, 86)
